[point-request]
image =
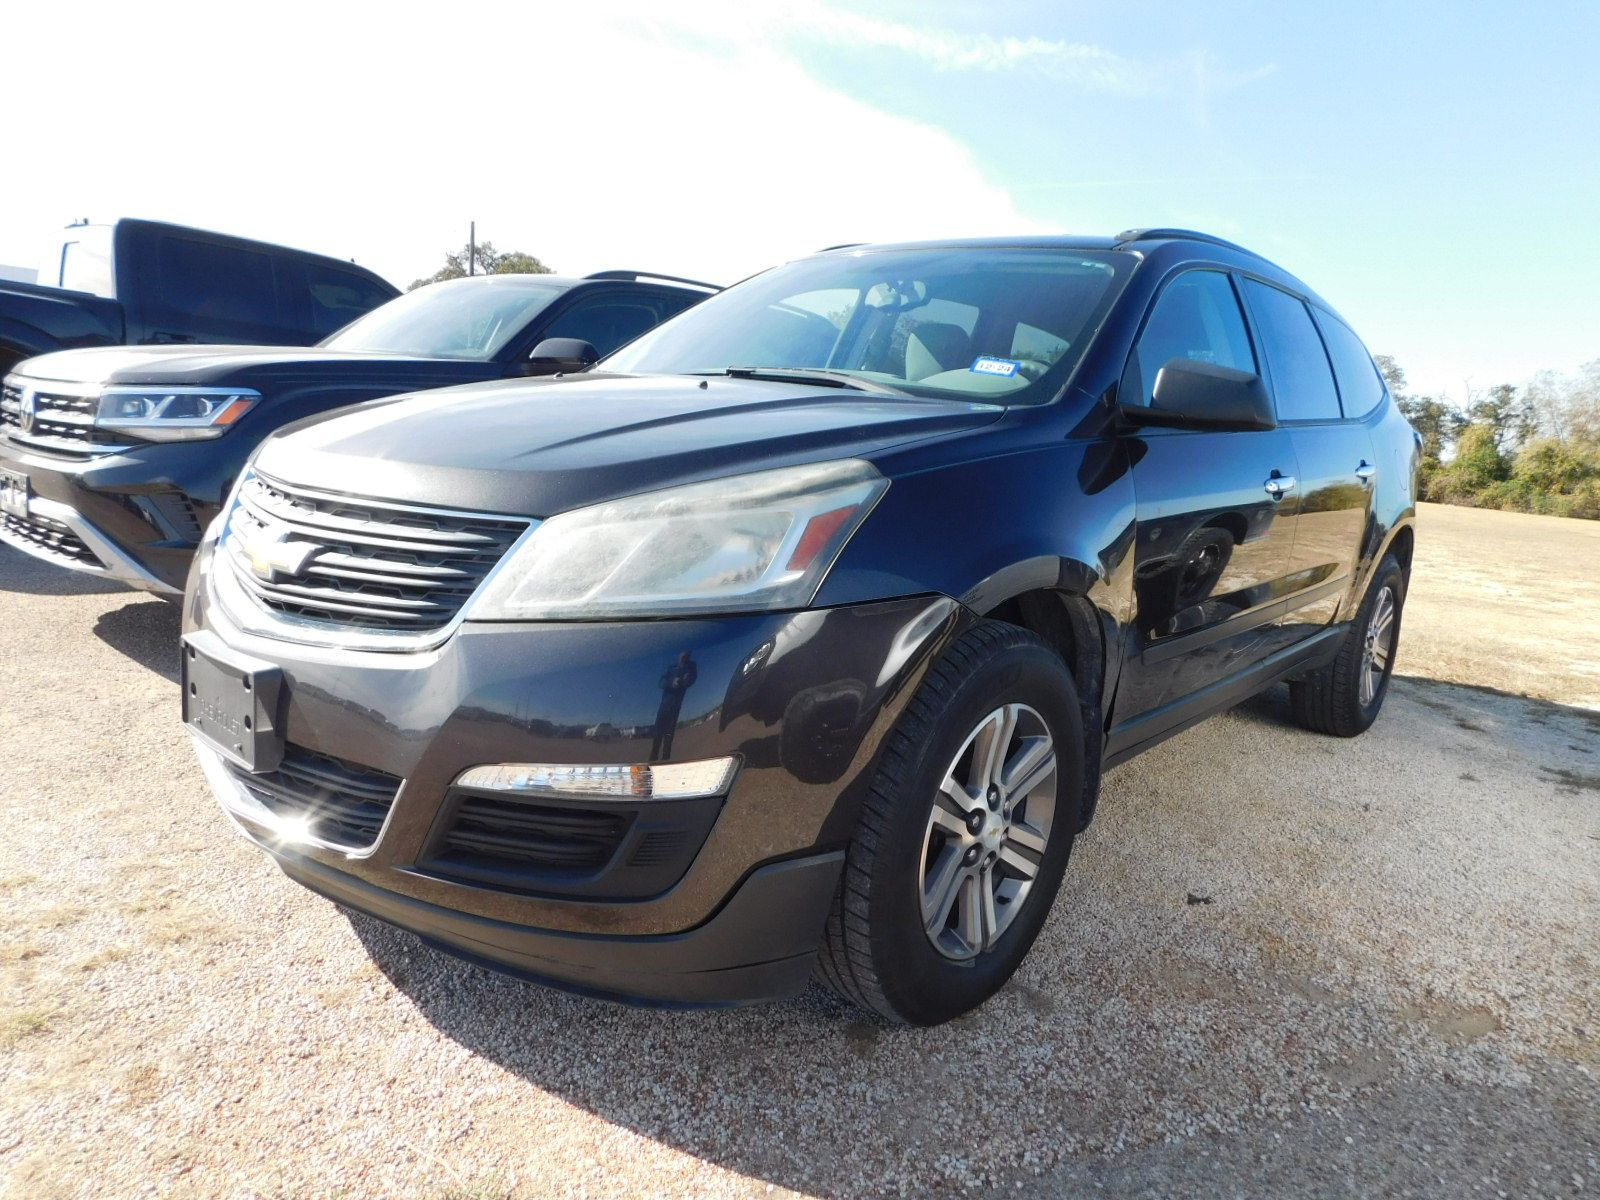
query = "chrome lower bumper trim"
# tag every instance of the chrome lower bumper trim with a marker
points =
(116, 563)
(256, 821)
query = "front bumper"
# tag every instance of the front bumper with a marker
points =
(132, 516)
(803, 700)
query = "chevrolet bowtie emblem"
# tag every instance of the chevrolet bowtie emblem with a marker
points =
(273, 558)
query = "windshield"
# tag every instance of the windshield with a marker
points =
(1004, 326)
(459, 318)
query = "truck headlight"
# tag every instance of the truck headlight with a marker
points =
(173, 414)
(750, 543)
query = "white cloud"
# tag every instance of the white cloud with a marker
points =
(583, 137)
(1088, 65)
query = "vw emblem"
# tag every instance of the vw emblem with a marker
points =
(30, 406)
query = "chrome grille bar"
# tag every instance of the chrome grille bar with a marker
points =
(323, 563)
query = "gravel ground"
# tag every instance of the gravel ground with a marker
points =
(1282, 965)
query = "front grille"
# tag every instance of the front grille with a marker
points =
(368, 564)
(505, 833)
(50, 537)
(60, 421)
(342, 803)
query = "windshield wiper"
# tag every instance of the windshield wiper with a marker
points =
(817, 375)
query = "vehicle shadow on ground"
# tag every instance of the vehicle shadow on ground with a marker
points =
(146, 632)
(27, 575)
(1139, 1004)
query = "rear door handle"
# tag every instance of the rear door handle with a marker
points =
(1279, 486)
(1366, 471)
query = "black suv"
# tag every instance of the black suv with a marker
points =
(112, 461)
(807, 622)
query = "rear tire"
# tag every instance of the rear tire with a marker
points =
(923, 926)
(1343, 698)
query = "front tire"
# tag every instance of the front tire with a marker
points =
(965, 833)
(1343, 698)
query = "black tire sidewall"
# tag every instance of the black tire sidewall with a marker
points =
(922, 985)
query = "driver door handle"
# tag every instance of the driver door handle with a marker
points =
(1366, 471)
(1279, 486)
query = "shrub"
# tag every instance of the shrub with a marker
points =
(1549, 466)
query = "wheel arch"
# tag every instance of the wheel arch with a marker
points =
(1041, 598)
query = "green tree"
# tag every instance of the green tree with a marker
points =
(489, 261)
(1508, 415)
(1439, 422)
(1478, 465)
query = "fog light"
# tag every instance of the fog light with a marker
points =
(635, 781)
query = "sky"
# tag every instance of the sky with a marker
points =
(1433, 170)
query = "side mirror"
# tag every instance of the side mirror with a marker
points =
(1199, 395)
(560, 354)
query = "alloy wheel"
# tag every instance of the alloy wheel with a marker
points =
(987, 832)
(1378, 646)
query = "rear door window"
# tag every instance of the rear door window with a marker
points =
(1302, 380)
(1360, 385)
(214, 293)
(1196, 319)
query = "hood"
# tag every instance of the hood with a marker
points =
(232, 365)
(539, 447)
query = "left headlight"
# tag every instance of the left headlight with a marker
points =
(174, 414)
(750, 543)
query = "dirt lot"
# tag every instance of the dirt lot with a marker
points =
(1282, 965)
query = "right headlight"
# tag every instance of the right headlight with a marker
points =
(750, 543)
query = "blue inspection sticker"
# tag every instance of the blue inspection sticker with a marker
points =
(983, 365)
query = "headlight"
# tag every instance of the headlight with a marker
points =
(174, 414)
(746, 544)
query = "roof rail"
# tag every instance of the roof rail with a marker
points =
(841, 246)
(636, 275)
(1189, 235)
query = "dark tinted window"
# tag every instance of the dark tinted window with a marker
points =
(606, 321)
(339, 297)
(1360, 385)
(217, 292)
(1197, 318)
(1302, 382)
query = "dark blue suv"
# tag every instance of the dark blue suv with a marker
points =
(794, 638)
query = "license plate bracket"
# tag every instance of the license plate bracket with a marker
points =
(232, 701)
(14, 493)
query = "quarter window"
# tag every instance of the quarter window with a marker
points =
(1196, 319)
(1360, 385)
(1302, 381)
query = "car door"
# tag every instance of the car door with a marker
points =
(1213, 538)
(1332, 500)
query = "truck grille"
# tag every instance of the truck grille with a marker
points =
(58, 421)
(343, 804)
(343, 562)
(49, 537)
